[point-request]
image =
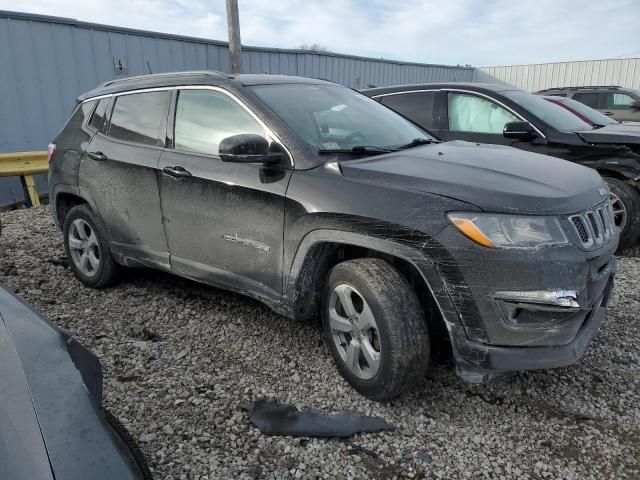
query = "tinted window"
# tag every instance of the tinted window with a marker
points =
(79, 114)
(417, 107)
(470, 113)
(331, 117)
(558, 117)
(590, 99)
(617, 101)
(204, 118)
(97, 120)
(140, 118)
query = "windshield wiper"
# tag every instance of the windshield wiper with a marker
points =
(358, 150)
(418, 141)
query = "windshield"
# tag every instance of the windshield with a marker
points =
(335, 118)
(594, 116)
(554, 115)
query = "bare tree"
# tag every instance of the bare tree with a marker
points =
(316, 47)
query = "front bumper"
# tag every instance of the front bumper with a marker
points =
(523, 310)
(478, 362)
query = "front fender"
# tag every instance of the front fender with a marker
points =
(416, 248)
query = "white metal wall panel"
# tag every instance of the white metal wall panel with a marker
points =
(624, 72)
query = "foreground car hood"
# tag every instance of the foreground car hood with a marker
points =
(494, 178)
(623, 133)
(51, 420)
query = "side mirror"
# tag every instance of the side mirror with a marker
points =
(247, 148)
(519, 131)
(635, 105)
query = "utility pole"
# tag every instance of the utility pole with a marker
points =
(233, 25)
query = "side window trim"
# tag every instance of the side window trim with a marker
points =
(273, 136)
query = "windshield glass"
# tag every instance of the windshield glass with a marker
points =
(331, 117)
(589, 113)
(556, 116)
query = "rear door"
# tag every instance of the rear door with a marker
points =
(223, 221)
(119, 172)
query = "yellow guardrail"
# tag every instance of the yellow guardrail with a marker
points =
(25, 165)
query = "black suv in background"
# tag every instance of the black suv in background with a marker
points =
(320, 202)
(619, 103)
(504, 115)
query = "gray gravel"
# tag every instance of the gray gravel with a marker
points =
(179, 358)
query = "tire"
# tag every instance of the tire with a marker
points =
(81, 225)
(400, 337)
(626, 197)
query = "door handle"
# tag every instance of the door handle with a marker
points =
(98, 156)
(177, 171)
(608, 113)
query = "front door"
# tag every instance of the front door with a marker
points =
(119, 173)
(223, 221)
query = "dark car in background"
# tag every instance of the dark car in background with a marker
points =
(52, 424)
(619, 103)
(322, 203)
(593, 117)
(503, 115)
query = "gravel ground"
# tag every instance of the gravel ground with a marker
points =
(179, 359)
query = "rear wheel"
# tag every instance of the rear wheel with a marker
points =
(625, 201)
(85, 243)
(375, 328)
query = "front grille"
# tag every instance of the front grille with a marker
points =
(595, 226)
(578, 223)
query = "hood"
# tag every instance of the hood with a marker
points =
(494, 178)
(622, 133)
(52, 426)
(22, 450)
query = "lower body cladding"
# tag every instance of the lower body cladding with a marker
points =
(524, 309)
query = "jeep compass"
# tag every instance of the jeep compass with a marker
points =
(322, 203)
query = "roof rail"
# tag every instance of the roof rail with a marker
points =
(213, 73)
(581, 87)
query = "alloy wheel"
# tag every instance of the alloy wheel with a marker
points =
(619, 211)
(83, 245)
(354, 331)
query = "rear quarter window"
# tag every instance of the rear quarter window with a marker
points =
(140, 118)
(98, 118)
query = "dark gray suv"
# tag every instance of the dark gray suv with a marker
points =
(323, 203)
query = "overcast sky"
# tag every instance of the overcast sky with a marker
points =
(476, 32)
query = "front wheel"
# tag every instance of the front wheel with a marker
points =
(625, 202)
(375, 328)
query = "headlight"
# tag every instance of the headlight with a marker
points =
(508, 231)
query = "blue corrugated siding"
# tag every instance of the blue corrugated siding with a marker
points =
(48, 61)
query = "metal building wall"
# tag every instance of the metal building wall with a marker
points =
(46, 62)
(624, 72)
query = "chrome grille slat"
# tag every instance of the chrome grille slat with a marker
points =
(595, 226)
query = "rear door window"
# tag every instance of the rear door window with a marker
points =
(471, 113)
(205, 117)
(416, 106)
(140, 118)
(589, 99)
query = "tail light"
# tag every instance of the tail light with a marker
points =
(50, 149)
